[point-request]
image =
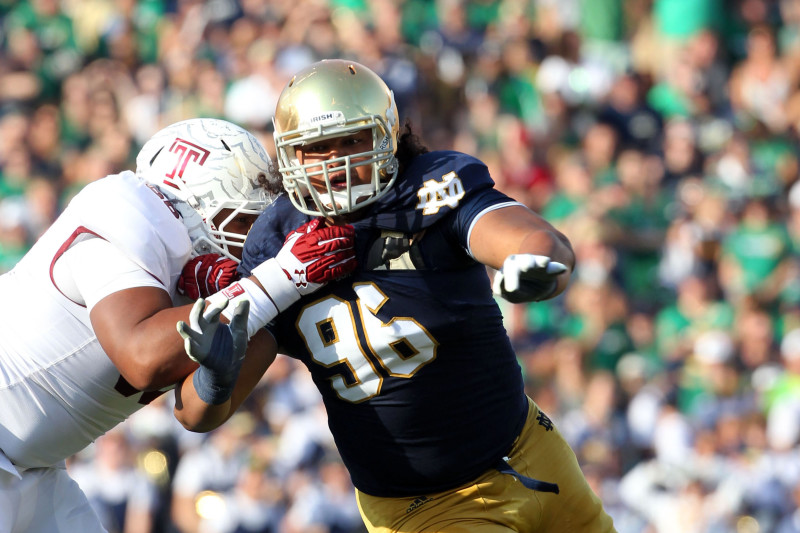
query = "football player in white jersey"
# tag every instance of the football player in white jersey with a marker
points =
(87, 325)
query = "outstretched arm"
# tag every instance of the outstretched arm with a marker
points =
(500, 235)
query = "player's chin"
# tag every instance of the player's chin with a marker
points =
(340, 220)
(344, 219)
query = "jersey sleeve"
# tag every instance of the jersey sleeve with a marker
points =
(256, 246)
(269, 232)
(434, 186)
(93, 269)
(138, 220)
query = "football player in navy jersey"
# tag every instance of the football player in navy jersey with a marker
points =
(422, 388)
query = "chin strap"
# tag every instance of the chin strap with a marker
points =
(341, 199)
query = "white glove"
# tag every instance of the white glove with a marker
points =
(527, 278)
(218, 348)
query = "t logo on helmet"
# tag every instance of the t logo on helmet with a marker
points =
(186, 152)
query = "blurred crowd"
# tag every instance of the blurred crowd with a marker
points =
(660, 136)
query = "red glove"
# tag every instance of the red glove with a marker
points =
(206, 274)
(312, 255)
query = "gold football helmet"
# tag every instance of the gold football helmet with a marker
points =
(336, 98)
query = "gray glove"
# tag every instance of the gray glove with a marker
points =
(527, 278)
(218, 348)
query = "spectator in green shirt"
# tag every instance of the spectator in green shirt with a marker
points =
(756, 254)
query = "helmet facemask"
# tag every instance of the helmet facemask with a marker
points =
(328, 100)
(208, 236)
(297, 177)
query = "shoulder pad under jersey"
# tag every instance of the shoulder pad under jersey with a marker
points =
(269, 232)
(430, 188)
(137, 219)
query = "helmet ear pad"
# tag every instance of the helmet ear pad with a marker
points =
(205, 166)
(329, 99)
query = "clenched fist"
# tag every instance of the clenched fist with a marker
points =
(206, 274)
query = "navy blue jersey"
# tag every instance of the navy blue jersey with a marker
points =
(421, 385)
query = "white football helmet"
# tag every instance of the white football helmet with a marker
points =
(334, 98)
(203, 166)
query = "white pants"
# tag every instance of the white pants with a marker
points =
(43, 500)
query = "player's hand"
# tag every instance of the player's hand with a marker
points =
(218, 348)
(312, 255)
(527, 278)
(206, 274)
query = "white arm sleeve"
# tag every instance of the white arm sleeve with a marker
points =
(94, 268)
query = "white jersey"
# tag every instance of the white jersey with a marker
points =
(59, 391)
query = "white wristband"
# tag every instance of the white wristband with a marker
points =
(262, 308)
(276, 282)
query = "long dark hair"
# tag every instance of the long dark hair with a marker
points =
(272, 180)
(409, 146)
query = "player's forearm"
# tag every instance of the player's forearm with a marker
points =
(136, 328)
(162, 360)
(517, 230)
(555, 246)
(551, 243)
(534, 260)
(196, 415)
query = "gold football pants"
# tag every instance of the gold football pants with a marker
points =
(500, 503)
